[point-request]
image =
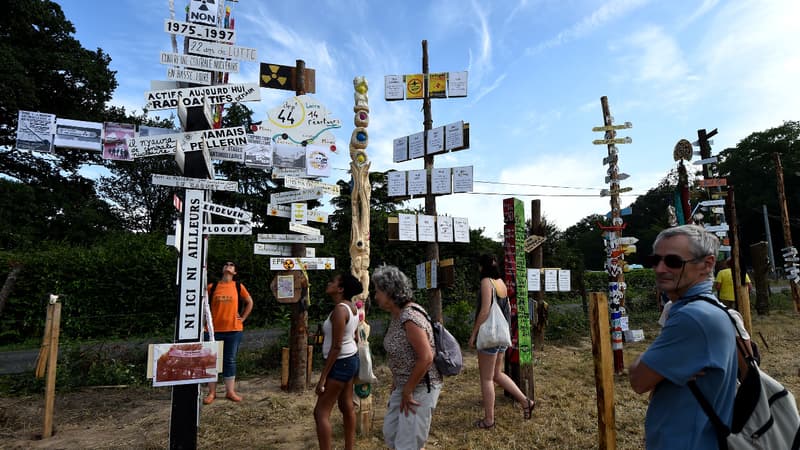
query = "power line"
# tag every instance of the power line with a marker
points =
(543, 195)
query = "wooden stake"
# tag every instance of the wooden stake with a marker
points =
(740, 292)
(787, 230)
(52, 363)
(285, 368)
(44, 350)
(604, 378)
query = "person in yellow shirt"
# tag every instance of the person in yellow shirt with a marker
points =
(724, 285)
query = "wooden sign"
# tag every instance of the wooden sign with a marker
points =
(289, 288)
(199, 62)
(625, 140)
(199, 31)
(216, 50)
(620, 176)
(194, 96)
(716, 228)
(272, 249)
(233, 213)
(304, 183)
(607, 192)
(613, 127)
(312, 215)
(189, 75)
(226, 228)
(720, 202)
(533, 241)
(304, 229)
(290, 239)
(276, 76)
(308, 264)
(295, 196)
(712, 182)
(711, 160)
(194, 183)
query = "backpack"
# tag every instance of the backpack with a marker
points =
(239, 307)
(447, 356)
(764, 413)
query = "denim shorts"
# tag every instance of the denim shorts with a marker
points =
(493, 350)
(345, 369)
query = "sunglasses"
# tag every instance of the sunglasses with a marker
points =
(671, 261)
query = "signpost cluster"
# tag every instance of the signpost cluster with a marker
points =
(429, 181)
(616, 248)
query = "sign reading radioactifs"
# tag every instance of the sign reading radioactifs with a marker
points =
(191, 280)
(215, 95)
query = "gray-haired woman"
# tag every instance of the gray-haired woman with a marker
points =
(416, 383)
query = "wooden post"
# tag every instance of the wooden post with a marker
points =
(285, 368)
(604, 378)
(617, 298)
(787, 230)
(758, 254)
(52, 363)
(537, 262)
(740, 291)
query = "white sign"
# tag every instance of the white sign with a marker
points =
(460, 229)
(199, 12)
(199, 62)
(441, 181)
(393, 87)
(457, 84)
(194, 183)
(416, 145)
(194, 96)
(224, 211)
(307, 264)
(550, 280)
(272, 249)
(235, 154)
(226, 228)
(462, 179)
(407, 227)
(189, 75)
(199, 31)
(400, 149)
(397, 183)
(303, 183)
(720, 202)
(282, 172)
(301, 119)
(217, 50)
(258, 151)
(163, 144)
(435, 140)
(700, 162)
(534, 280)
(191, 267)
(444, 228)
(564, 280)
(454, 135)
(303, 229)
(713, 228)
(290, 239)
(35, 131)
(295, 196)
(318, 160)
(299, 216)
(426, 228)
(312, 215)
(79, 134)
(417, 182)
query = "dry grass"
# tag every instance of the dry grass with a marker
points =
(268, 418)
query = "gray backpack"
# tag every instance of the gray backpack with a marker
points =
(447, 356)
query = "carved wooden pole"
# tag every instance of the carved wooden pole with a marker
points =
(359, 231)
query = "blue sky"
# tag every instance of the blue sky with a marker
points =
(537, 70)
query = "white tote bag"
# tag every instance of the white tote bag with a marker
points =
(494, 331)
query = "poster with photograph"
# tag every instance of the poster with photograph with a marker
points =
(457, 84)
(426, 228)
(285, 286)
(407, 227)
(35, 131)
(397, 184)
(115, 141)
(400, 147)
(416, 145)
(444, 228)
(145, 130)
(441, 180)
(289, 156)
(79, 134)
(318, 160)
(417, 182)
(258, 151)
(435, 140)
(189, 363)
(462, 179)
(393, 87)
(460, 229)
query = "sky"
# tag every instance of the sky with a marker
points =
(537, 71)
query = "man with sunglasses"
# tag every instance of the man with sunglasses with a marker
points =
(697, 342)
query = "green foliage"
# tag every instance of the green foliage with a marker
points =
(459, 318)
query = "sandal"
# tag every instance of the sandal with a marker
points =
(209, 398)
(481, 423)
(526, 412)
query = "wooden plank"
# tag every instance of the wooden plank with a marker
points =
(44, 350)
(52, 363)
(603, 370)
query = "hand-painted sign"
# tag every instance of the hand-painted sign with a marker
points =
(225, 211)
(607, 192)
(226, 228)
(299, 120)
(613, 127)
(295, 196)
(191, 287)
(307, 264)
(712, 182)
(303, 183)
(194, 183)
(720, 202)
(189, 75)
(711, 160)
(290, 239)
(199, 31)
(272, 249)
(620, 176)
(216, 50)
(199, 62)
(625, 140)
(312, 215)
(303, 229)
(194, 96)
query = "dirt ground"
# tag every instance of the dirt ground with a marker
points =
(269, 418)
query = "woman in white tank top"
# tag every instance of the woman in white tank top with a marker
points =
(340, 351)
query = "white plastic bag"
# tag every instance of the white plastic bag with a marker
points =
(365, 374)
(494, 331)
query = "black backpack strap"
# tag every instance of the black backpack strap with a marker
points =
(748, 355)
(720, 428)
(427, 372)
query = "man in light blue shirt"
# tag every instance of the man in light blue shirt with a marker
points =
(697, 342)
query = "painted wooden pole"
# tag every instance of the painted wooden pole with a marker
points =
(359, 230)
(604, 378)
(787, 232)
(537, 262)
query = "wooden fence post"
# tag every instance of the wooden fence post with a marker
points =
(603, 370)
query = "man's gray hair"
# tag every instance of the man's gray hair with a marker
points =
(701, 242)
(394, 283)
